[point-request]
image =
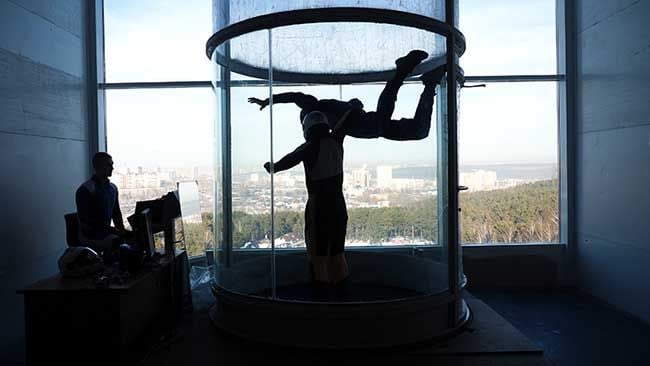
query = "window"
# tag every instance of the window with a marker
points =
(508, 139)
(509, 37)
(159, 137)
(152, 40)
(389, 186)
(508, 132)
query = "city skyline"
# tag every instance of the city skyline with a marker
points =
(251, 187)
(378, 189)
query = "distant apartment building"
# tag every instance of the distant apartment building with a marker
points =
(479, 180)
(361, 178)
(384, 176)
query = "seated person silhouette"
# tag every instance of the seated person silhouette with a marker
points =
(378, 123)
(325, 215)
(98, 204)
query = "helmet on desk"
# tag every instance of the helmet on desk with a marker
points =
(79, 262)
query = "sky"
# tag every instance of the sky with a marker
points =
(164, 40)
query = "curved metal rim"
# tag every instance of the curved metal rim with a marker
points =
(314, 78)
(327, 15)
(441, 297)
(452, 331)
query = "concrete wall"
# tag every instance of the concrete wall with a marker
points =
(43, 145)
(613, 152)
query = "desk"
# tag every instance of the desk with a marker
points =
(71, 321)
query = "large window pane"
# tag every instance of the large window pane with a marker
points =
(389, 186)
(508, 37)
(508, 144)
(152, 40)
(251, 185)
(158, 138)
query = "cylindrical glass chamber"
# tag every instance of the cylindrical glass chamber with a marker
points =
(401, 191)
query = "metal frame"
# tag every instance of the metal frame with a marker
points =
(264, 83)
(329, 15)
(95, 96)
(322, 79)
(565, 101)
(272, 161)
(453, 227)
(332, 15)
(226, 164)
(566, 63)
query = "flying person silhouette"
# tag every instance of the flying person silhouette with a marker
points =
(378, 123)
(325, 124)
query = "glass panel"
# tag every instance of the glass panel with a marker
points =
(441, 258)
(216, 257)
(245, 147)
(251, 184)
(290, 190)
(393, 188)
(151, 40)
(390, 189)
(158, 138)
(390, 186)
(508, 37)
(508, 158)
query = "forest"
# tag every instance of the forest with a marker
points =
(522, 214)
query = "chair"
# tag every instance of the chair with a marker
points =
(72, 229)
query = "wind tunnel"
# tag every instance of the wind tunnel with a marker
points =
(406, 283)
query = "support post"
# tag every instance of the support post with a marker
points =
(452, 165)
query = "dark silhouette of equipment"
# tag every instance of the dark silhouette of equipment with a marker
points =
(162, 212)
(72, 229)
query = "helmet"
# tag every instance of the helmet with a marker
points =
(79, 262)
(312, 119)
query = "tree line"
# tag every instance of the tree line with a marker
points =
(524, 213)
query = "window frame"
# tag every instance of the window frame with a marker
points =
(565, 77)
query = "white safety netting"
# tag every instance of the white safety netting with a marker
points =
(228, 12)
(329, 49)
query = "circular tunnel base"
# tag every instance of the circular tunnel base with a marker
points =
(365, 312)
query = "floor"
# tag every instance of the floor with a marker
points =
(572, 328)
(489, 340)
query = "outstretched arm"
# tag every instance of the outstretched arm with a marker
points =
(300, 99)
(293, 158)
(339, 131)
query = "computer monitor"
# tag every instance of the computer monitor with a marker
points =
(162, 210)
(141, 224)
